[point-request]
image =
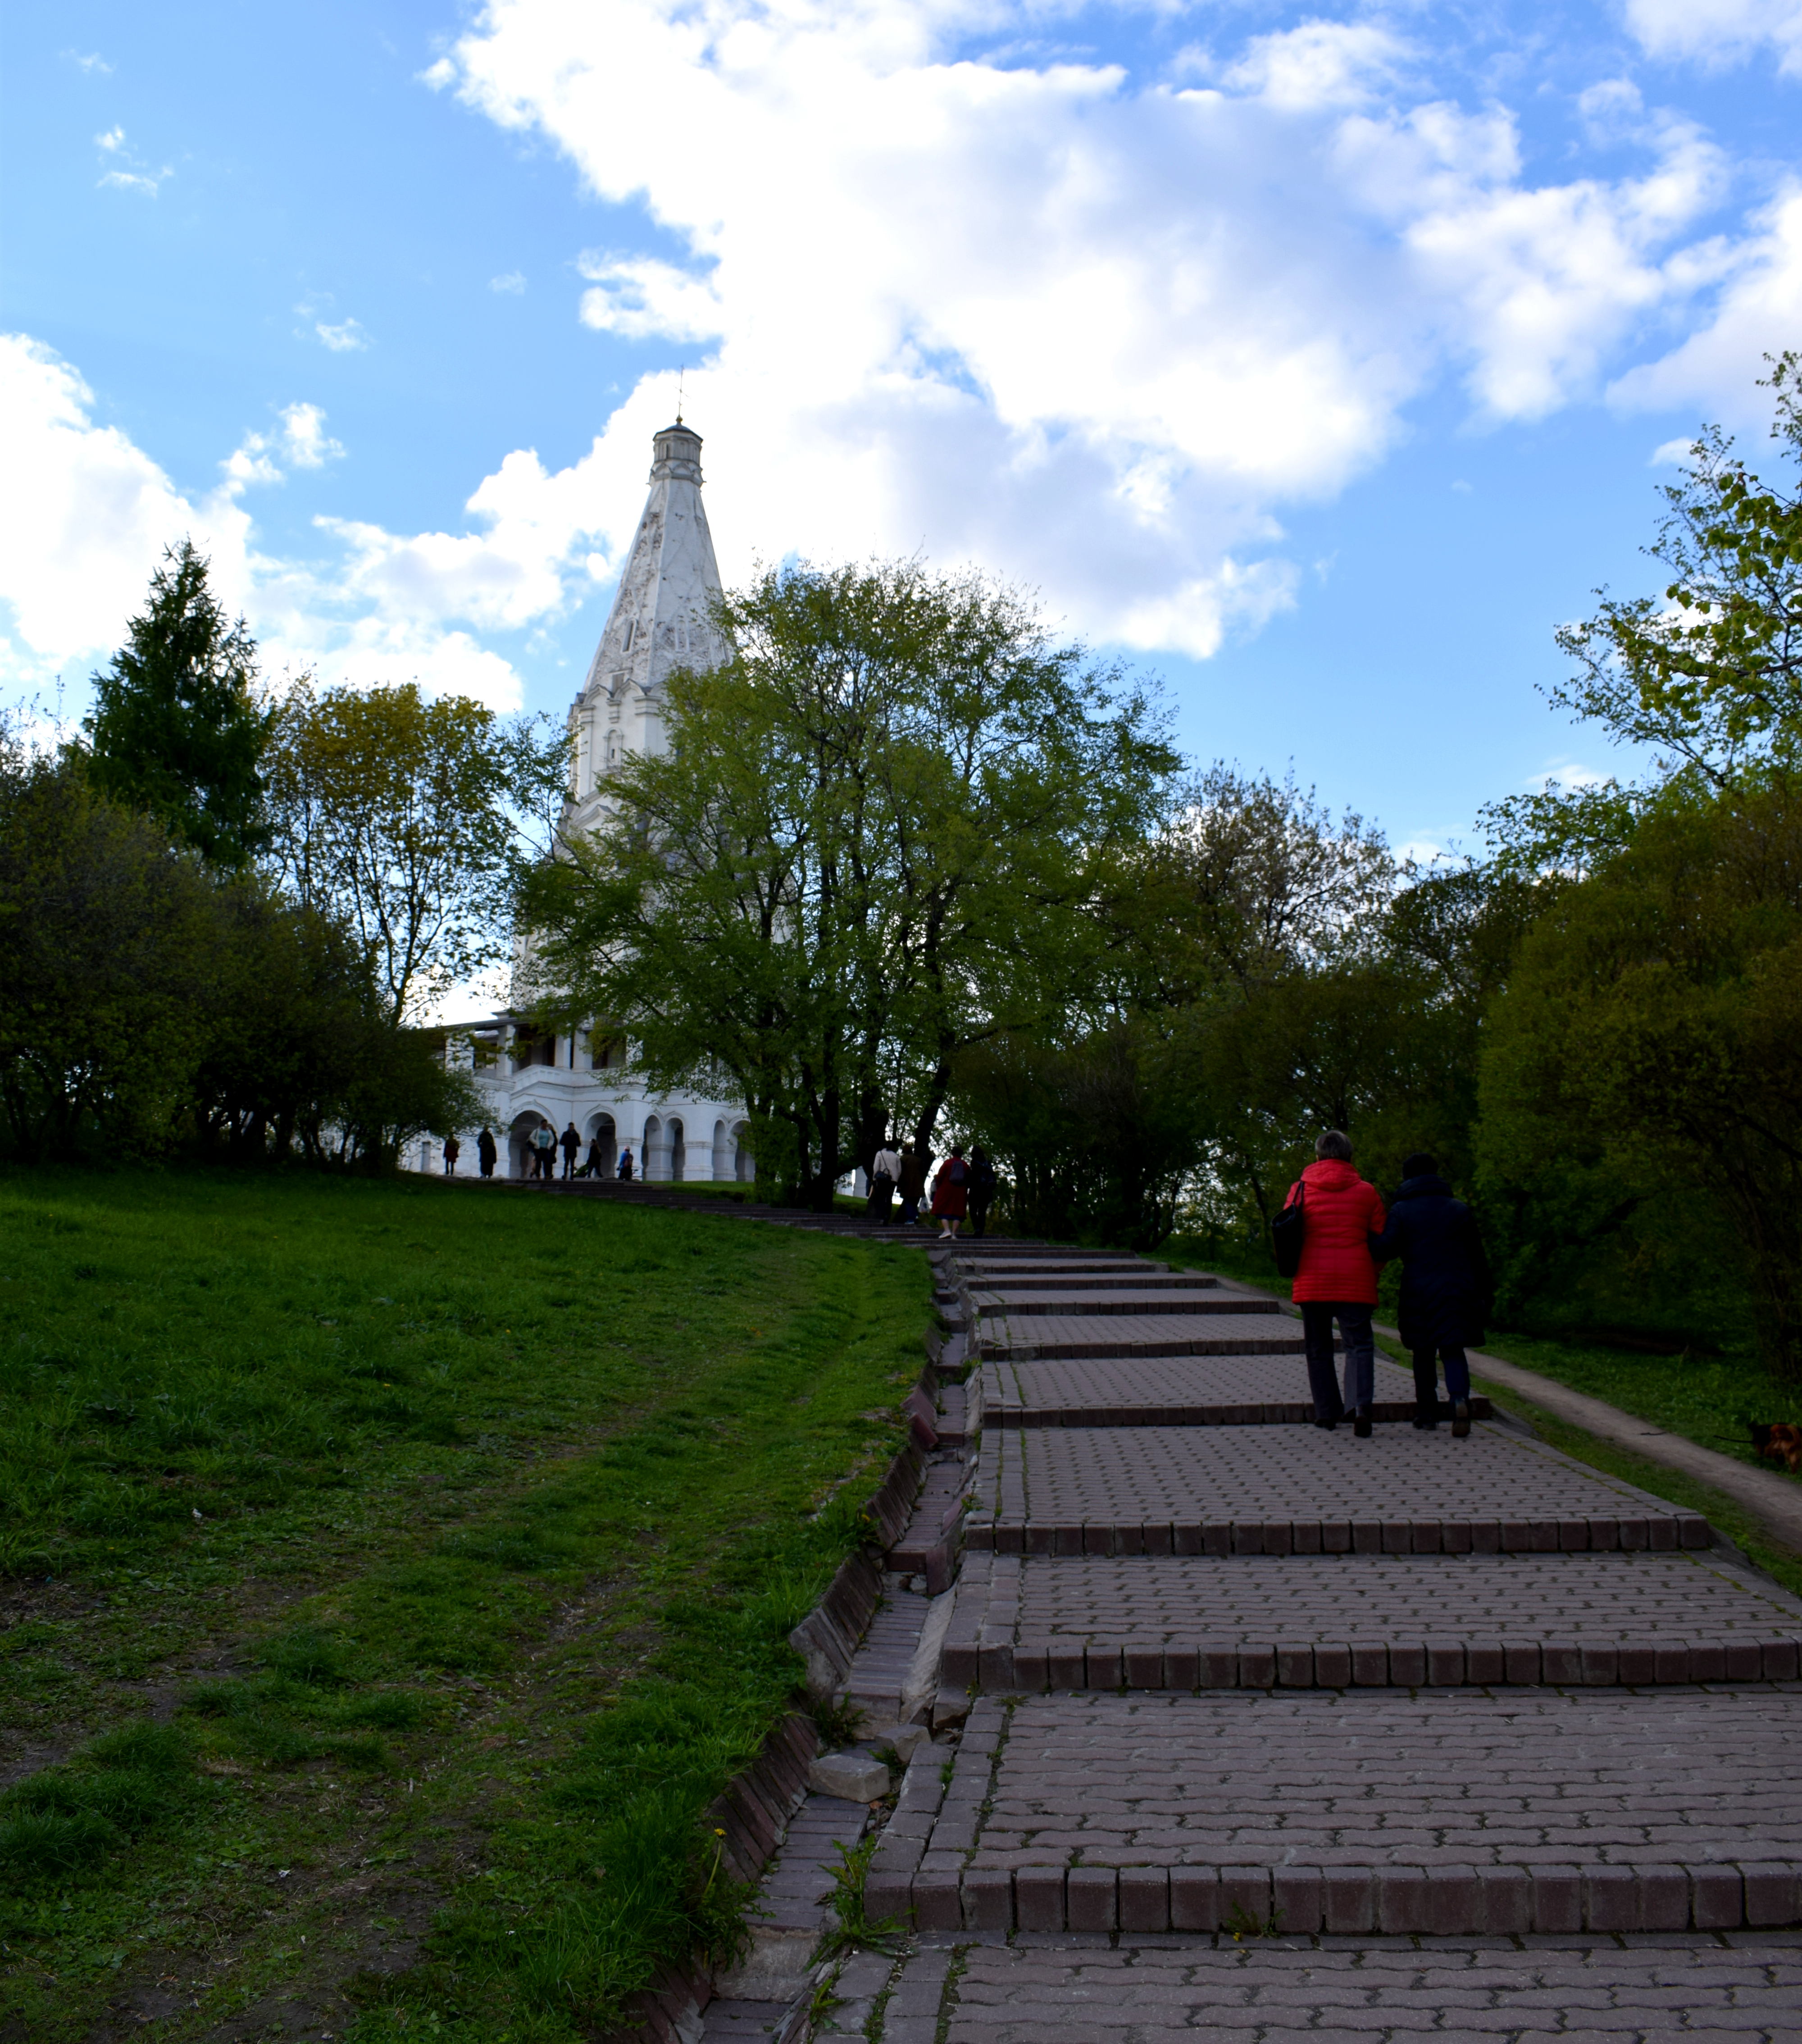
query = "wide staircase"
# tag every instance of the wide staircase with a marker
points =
(1234, 1688)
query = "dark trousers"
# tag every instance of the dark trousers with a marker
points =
(910, 1209)
(1427, 1381)
(569, 1163)
(1317, 1317)
(880, 1203)
(979, 1220)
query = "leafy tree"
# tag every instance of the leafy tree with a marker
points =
(176, 730)
(1650, 1038)
(1712, 675)
(408, 821)
(108, 963)
(878, 834)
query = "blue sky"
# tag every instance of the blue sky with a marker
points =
(1318, 362)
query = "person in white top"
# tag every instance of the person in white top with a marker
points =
(884, 1169)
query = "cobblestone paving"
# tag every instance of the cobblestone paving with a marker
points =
(1747, 1989)
(1325, 1597)
(1119, 1476)
(1176, 1391)
(1239, 1328)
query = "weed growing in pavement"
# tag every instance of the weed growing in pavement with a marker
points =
(1243, 1924)
(838, 1720)
(852, 1928)
(489, 1591)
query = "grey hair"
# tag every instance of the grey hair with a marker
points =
(1335, 1143)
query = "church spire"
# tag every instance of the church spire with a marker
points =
(662, 619)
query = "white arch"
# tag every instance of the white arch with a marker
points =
(604, 1126)
(677, 1158)
(722, 1151)
(744, 1165)
(653, 1160)
(518, 1152)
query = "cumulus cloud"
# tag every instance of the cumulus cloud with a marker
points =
(1758, 310)
(1096, 332)
(89, 513)
(1718, 33)
(513, 283)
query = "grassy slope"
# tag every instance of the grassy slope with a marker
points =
(452, 1536)
(1699, 1397)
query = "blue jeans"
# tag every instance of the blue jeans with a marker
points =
(1426, 1376)
(1317, 1317)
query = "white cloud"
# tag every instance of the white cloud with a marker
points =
(1568, 776)
(1671, 454)
(642, 299)
(1758, 311)
(1094, 333)
(93, 63)
(89, 513)
(131, 175)
(347, 337)
(513, 283)
(113, 138)
(1718, 33)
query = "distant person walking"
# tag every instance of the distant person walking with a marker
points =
(1445, 1287)
(626, 1165)
(912, 1183)
(982, 1184)
(596, 1167)
(484, 1152)
(1336, 1279)
(885, 1175)
(453, 1150)
(571, 1144)
(544, 1141)
(950, 1193)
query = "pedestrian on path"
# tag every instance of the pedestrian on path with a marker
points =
(453, 1150)
(885, 1175)
(595, 1166)
(544, 1141)
(982, 1184)
(1445, 1287)
(485, 1151)
(912, 1182)
(950, 1193)
(571, 1144)
(1336, 1279)
(626, 1165)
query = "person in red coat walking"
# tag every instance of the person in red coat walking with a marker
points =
(1336, 1279)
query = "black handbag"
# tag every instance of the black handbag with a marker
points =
(1286, 1233)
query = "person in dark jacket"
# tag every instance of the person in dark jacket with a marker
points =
(1445, 1287)
(983, 1183)
(453, 1150)
(912, 1183)
(595, 1166)
(571, 1144)
(1336, 1279)
(626, 1166)
(484, 1152)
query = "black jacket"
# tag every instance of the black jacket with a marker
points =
(1445, 1275)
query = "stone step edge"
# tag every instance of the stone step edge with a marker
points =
(1657, 1533)
(1444, 1901)
(1385, 1411)
(998, 1663)
(1101, 1350)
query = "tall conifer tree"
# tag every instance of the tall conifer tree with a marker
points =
(176, 732)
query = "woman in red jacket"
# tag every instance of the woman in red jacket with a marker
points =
(1336, 1278)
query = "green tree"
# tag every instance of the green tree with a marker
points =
(410, 823)
(176, 731)
(1650, 1037)
(1712, 673)
(878, 834)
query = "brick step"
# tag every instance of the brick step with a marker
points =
(1456, 1813)
(1185, 1391)
(1048, 1338)
(1190, 1490)
(1016, 1301)
(1028, 1666)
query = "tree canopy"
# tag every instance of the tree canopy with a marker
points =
(176, 732)
(876, 837)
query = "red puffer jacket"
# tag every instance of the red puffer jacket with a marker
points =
(1343, 1211)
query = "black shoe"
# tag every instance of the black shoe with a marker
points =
(1326, 1426)
(1460, 1419)
(1361, 1424)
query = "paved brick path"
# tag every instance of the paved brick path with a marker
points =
(1176, 1391)
(1263, 1732)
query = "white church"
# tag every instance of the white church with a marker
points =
(662, 619)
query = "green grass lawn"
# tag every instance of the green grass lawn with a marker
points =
(393, 1573)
